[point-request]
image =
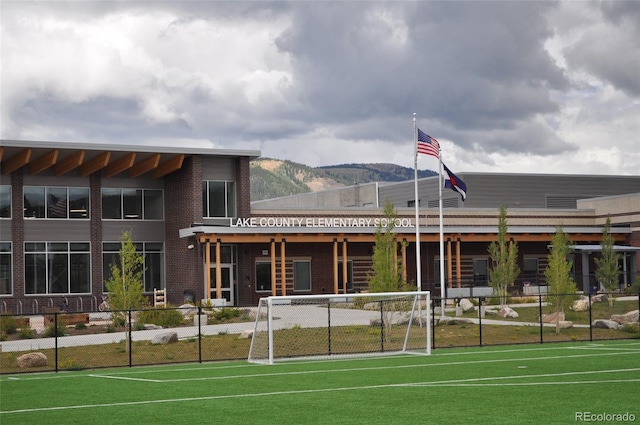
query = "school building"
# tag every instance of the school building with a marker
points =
(64, 207)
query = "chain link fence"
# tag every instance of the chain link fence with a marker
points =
(67, 340)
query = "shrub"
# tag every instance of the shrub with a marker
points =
(79, 326)
(26, 333)
(165, 317)
(51, 330)
(226, 313)
(8, 324)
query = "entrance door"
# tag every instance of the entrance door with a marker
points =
(226, 272)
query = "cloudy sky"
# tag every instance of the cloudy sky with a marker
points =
(505, 86)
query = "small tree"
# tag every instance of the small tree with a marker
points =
(387, 267)
(504, 255)
(125, 284)
(607, 265)
(561, 288)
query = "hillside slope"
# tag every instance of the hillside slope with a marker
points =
(274, 178)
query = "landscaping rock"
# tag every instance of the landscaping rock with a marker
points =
(606, 324)
(599, 298)
(551, 318)
(508, 313)
(165, 338)
(151, 326)
(491, 312)
(466, 304)
(454, 320)
(581, 305)
(246, 334)
(36, 359)
(565, 324)
(630, 317)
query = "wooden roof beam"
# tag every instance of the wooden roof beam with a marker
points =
(45, 161)
(120, 165)
(95, 164)
(16, 161)
(169, 166)
(69, 163)
(145, 166)
(1, 153)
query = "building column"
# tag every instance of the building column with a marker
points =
(274, 282)
(458, 263)
(218, 271)
(207, 266)
(283, 270)
(345, 268)
(335, 266)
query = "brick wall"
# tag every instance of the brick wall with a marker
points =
(183, 206)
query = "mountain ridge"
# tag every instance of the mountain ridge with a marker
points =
(274, 178)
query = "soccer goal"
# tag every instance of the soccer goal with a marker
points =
(350, 325)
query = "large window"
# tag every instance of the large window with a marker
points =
(6, 287)
(218, 199)
(153, 266)
(56, 202)
(132, 204)
(302, 275)
(57, 267)
(530, 270)
(5, 201)
(263, 276)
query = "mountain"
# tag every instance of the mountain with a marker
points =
(274, 178)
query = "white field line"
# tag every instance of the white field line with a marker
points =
(325, 390)
(167, 370)
(374, 368)
(124, 378)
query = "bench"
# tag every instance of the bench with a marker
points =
(68, 319)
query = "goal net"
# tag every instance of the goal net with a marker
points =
(330, 326)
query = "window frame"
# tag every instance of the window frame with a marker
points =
(55, 254)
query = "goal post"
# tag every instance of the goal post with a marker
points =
(341, 326)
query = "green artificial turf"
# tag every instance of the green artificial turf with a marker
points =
(531, 384)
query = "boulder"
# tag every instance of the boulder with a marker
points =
(36, 359)
(581, 305)
(165, 338)
(565, 324)
(599, 298)
(454, 320)
(605, 324)
(246, 334)
(630, 317)
(491, 312)
(508, 313)
(466, 304)
(551, 318)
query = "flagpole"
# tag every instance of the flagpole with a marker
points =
(416, 202)
(442, 285)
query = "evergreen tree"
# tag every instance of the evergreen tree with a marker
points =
(504, 256)
(607, 265)
(561, 287)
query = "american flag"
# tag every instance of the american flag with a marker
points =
(428, 145)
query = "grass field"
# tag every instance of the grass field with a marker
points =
(534, 384)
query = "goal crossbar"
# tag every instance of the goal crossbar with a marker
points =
(341, 325)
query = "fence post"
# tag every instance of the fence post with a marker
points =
(55, 338)
(433, 324)
(199, 334)
(130, 339)
(480, 300)
(540, 312)
(590, 319)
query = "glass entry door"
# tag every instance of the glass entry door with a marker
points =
(226, 272)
